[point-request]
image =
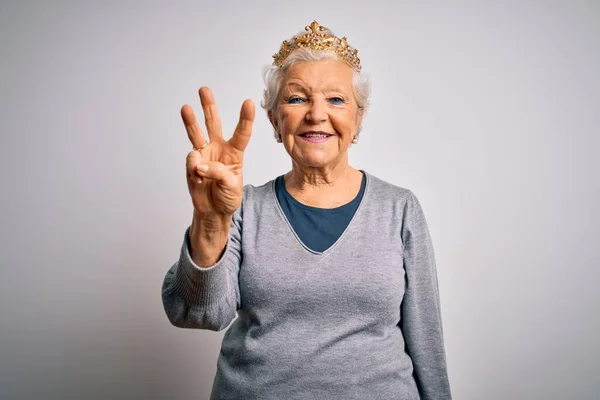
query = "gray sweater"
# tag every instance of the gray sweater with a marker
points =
(360, 320)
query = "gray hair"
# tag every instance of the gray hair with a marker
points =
(273, 77)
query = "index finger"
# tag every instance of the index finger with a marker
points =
(191, 126)
(243, 130)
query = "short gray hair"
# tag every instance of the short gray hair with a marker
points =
(273, 77)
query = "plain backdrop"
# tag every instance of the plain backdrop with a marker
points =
(489, 111)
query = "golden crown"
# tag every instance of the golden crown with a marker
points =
(317, 40)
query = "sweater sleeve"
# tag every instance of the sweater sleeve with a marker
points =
(421, 320)
(205, 298)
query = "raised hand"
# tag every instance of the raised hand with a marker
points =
(214, 169)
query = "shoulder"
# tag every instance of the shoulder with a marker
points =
(382, 190)
(401, 205)
(256, 197)
(387, 198)
(255, 201)
(257, 192)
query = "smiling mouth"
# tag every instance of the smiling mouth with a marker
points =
(315, 135)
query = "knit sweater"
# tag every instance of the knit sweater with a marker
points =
(360, 320)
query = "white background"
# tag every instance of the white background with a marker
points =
(489, 111)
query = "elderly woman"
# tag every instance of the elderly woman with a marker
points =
(329, 270)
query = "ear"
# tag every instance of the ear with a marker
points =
(273, 120)
(359, 116)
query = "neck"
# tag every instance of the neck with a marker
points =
(323, 187)
(303, 177)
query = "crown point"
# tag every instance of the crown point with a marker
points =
(314, 27)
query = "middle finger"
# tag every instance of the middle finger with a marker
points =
(211, 115)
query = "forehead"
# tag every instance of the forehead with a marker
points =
(318, 75)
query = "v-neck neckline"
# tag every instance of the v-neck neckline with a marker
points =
(344, 233)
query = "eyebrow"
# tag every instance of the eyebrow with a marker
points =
(333, 88)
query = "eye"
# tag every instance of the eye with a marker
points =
(336, 100)
(295, 100)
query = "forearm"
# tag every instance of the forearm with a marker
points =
(421, 309)
(205, 297)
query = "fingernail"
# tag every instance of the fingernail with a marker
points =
(203, 167)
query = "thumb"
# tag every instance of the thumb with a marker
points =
(218, 171)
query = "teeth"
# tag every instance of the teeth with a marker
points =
(315, 135)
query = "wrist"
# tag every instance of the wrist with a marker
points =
(208, 237)
(210, 222)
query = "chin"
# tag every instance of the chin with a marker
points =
(317, 162)
(314, 158)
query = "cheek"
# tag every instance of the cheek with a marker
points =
(289, 120)
(345, 123)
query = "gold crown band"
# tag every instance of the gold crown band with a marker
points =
(319, 41)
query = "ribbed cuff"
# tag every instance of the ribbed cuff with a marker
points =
(196, 285)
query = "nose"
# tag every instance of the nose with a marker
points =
(317, 111)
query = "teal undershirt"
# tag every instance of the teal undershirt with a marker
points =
(317, 228)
